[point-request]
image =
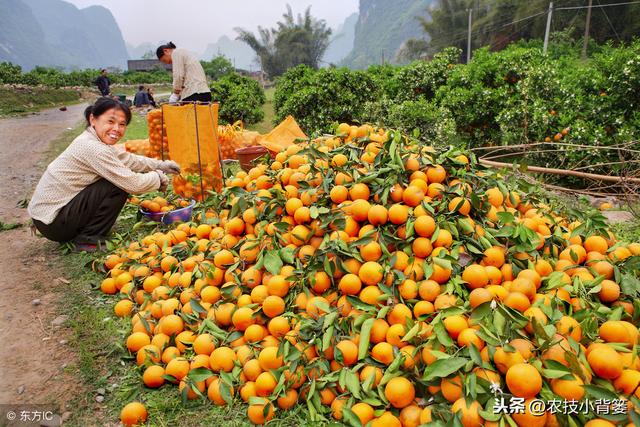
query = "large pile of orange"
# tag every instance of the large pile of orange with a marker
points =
(137, 146)
(381, 282)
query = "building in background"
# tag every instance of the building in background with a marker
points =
(146, 65)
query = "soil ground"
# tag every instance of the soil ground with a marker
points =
(34, 353)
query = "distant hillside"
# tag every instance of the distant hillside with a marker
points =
(137, 52)
(382, 28)
(241, 55)
(341, 41)
(21, 37)
(57, 33)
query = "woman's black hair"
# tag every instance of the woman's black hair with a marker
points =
(161, 48)
(104, 104)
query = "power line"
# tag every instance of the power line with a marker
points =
(528, 17)
(603, 5)
(488, 27)
(493, 27)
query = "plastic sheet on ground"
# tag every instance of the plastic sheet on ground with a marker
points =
(283, 135)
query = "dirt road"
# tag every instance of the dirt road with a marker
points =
(33, 350)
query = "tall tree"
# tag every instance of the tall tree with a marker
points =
(218, 67)
(295, 40)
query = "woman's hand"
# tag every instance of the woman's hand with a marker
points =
(169, 166)
(164, 181)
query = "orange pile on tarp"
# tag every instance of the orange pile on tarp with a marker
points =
(138, 146)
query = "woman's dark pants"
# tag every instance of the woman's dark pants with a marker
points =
(88, 217)
(198, 97)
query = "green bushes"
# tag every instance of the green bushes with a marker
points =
(515, 96)
(391, 96)
(321, 98)
(433, 123)
(240, 98)
(52, 77)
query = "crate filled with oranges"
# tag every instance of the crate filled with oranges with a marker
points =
(158, 141)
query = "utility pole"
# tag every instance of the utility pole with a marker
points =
(586, 31)
(469, 39)
(383, 56)
(546, 33)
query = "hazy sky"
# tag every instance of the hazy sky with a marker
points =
(193, 24)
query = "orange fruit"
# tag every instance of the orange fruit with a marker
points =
(494, 256)
(370, 273)
(387, 419)
(476, 276)
(470, 412)
(530, 419)
(214, 391)
(288, 400)
(412, 196)
(153, 376)
(398, 214)
(222, 359)
(273, 306)
(596, 244)
(377, 215)
(260, 413)
(424, 226)
(436, 174)
(451, 388)
(339, 194)
(269, 359)
(383, 353)
(363, 411)
(349, 352)
(479, 296)
(605, 362)
(133, 413)
(523, 380)
(400, 392)
(460, 205)
(568, 389)
(455, 324)
(359, 191)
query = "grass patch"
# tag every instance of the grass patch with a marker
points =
(269, 114)
(629, 231)
(137, 129)
(25, 100)
(6, 226)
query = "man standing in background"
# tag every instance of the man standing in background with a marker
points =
(103, 83)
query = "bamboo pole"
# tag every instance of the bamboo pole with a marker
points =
(554, 171)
